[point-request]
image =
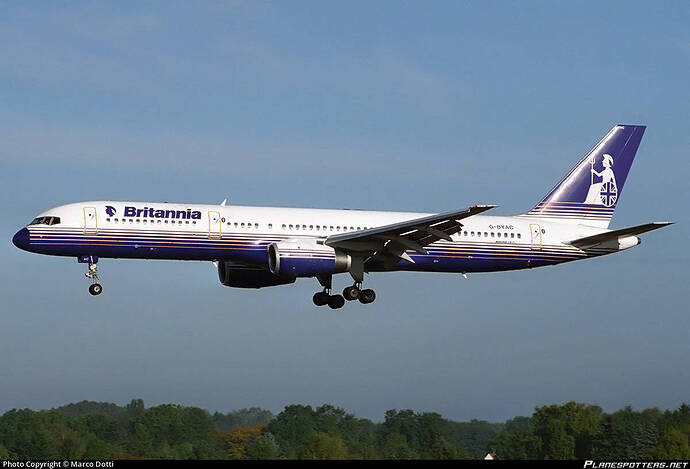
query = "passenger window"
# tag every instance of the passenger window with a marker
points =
(492, 234)
(519, 235)
(512, 235)
(270, 226)
(256, 225)
(242, 225)
(486, 235)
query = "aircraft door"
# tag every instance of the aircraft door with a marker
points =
(535, 237)
(214, 224)
(90, 220)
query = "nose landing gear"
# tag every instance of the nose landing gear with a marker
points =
(92, 274)
(95, 289)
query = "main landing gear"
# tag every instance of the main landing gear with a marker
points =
(350, 293)
(324, 297)
(356, 293)
(92, 274)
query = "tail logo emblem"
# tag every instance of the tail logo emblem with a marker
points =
(604, 192)
(110, 210)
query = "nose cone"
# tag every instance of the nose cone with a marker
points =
(21, 239)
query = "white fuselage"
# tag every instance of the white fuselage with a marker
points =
(241, 234)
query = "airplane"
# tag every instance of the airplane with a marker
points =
(256, 247)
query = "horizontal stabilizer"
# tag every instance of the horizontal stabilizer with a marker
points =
(614, 235)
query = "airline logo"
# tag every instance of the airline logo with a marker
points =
(110, 210)
(151, 212)
(605, 191)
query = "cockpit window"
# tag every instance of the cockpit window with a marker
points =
(45, 221)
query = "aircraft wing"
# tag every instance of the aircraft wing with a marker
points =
(590, 241)
(412, 234)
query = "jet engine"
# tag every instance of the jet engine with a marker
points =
(234, 275)
(306, 258)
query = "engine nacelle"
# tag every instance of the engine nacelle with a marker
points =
(232, 275)
(306, 258)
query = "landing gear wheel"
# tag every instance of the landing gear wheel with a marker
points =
(321, 298)
(336, 301)
(351, 293)
(95, 289)
(367, 296)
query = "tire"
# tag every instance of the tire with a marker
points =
(367, 296)
(95, 289)
(320, 298)
(351, 293)
(336, 301)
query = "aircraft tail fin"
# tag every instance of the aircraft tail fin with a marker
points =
(589, 193)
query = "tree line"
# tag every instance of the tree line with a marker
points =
(96, 430)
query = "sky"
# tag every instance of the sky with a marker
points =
(387, 105)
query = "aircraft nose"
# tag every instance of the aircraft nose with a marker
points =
(21, 239)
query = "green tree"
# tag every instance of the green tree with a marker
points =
(474, 436)
(33, 435)
(673, 445)
(264, 448)
(395, 446)
(627, 434)
(569, 431)
(516, 441)
(293, 427)
(242, 418)
(322, 446)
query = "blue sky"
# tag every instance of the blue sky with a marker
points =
(380, 105)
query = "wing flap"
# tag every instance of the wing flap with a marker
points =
(410, 234)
